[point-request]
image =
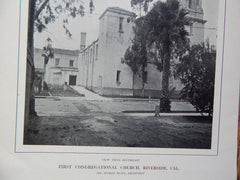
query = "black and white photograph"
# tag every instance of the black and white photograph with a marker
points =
(129, 73)
(119, 89)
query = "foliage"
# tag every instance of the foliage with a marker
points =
(196, 71)
(166, 26)
(141, 5)
(47, 11)
(48, 51)
(136, 54)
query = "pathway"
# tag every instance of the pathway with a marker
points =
(89, 95)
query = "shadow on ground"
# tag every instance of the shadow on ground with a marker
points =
(119, 130)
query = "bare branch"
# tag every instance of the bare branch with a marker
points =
(40, 9)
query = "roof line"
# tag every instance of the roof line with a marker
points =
(119, 11)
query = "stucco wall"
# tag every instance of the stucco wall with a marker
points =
(59, 74)
(116, 43)
(197, 35)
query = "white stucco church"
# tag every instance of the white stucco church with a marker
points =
(100, 66)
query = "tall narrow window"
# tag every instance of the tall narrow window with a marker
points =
(71, 63)
(120, 24)
(191, 30)
(197, 3)
(190, 3)
(118, 76)
(91, 55)
(96, 51)
(57, 61)
(145, 77)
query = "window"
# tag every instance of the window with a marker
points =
(96, 51)
(197, 3)
(118, 76)
(191, 30)
(120, 24)
(91, 55)
(57, 61)
(71, 63)
(190, 3)
(145, 77)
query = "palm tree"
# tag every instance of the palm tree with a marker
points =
(166, 22)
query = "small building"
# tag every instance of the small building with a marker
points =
(60, 70)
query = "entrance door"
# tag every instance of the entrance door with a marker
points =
(72, 80)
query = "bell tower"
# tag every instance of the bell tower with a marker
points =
(196, 14)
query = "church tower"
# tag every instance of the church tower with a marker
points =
(195, 13)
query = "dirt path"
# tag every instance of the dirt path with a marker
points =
(76, 121)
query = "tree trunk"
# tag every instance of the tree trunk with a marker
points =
(44, 75)
(164, 99)
(30, 58)
(43, 5)
(30, 70)
(133, 81)
(143, 89)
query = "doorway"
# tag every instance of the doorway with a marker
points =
(72, 80)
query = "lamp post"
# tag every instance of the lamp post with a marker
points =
(47, 54)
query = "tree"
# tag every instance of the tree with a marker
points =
(141, 5)
(196, 71)
(166, 26)
(47, 54)
(136, 55)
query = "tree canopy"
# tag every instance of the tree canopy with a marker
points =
(196, 71)
(136, 55)
(48, 51)
(47, 11)
(141, 5)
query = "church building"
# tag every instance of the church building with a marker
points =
(100, 64)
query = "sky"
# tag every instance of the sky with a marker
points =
(90, 24)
